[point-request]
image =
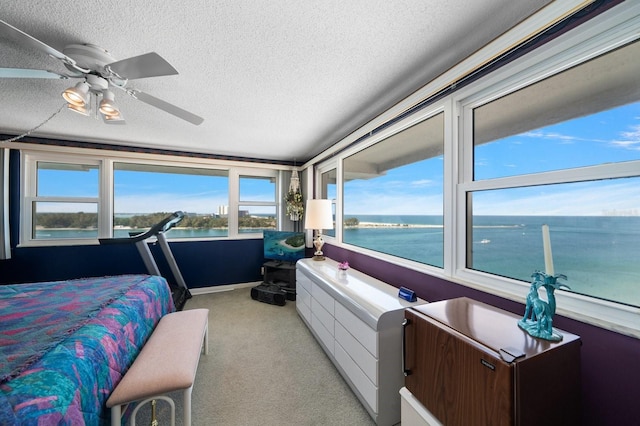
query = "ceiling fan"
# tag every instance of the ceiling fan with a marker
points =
(99, 72)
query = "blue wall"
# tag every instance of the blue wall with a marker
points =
(610, 361)
(202, 263)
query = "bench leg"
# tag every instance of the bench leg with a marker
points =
(186, 402)
(141, 403)
(206, 339)
(116, 415)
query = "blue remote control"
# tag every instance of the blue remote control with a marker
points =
(407, 294)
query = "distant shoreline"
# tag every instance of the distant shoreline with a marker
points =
(360, 225)
(391, 225)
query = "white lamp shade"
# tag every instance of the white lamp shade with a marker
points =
(318, 215)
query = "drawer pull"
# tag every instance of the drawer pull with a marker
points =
(405, 370)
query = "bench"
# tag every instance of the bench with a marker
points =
(166, 363)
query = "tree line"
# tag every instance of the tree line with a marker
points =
(351, 221)
(90, 220)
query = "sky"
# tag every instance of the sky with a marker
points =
(606, 137)
(610, 136)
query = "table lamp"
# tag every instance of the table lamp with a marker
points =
(318, 216)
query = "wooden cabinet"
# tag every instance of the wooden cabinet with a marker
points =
(358, 322)
(470, 363)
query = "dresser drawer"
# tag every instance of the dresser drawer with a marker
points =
(325, 318)
(367, 389)
(303, 296)
(367, 363)
(303, 281)
(326, 336)
(303, 304)
(322, 297)
(365, 334)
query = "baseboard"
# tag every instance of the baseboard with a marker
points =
(221, 288)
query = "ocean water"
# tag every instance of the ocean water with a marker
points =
(599, 255)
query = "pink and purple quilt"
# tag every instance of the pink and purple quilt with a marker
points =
(65, 345)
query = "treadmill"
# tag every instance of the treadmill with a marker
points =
(180, 292)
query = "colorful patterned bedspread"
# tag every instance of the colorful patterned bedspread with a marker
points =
(65, 345)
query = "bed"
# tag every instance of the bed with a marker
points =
(65, 345)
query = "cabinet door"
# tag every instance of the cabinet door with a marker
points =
(455, 378)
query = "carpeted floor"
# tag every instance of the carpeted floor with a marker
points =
(264, 368)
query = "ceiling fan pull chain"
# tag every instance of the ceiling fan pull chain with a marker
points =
(28, 132)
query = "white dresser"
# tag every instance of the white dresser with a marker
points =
(358, 321)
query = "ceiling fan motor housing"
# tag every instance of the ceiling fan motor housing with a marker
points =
(88, 56)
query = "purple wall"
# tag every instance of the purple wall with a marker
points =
(610, 361)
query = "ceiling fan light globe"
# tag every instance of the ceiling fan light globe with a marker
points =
(113, 118)
(108, 109)
(79, 109)
(77, 95)
(108, 106)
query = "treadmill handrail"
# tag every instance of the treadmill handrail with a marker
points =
(163, 226)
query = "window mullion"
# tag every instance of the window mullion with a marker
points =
(105, 206)
(234, 203)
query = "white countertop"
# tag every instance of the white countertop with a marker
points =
(370, 297)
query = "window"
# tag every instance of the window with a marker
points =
(257, 210)
(564, 152)
(551, 137)
(328, 187)
(585, 116)
(77, 197)
(65, 201)
(146, 193)
(393, 194)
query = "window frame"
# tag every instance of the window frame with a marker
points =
(105, 160)
(337, 163)
(159, 163)
(413, 120)
(30, 162)
(559, 57)
(235, 202)
(336, 203)
(601, 34)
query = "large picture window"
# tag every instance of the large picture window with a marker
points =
(393, 194)
(78, 197)
(146, 193)
(562, 152)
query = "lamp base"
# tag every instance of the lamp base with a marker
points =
(318, 243)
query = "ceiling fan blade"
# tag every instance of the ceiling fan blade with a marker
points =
(12, 33)
(28, 73)
(167, 107)
(147, 65)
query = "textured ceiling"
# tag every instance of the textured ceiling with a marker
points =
(278, 79)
